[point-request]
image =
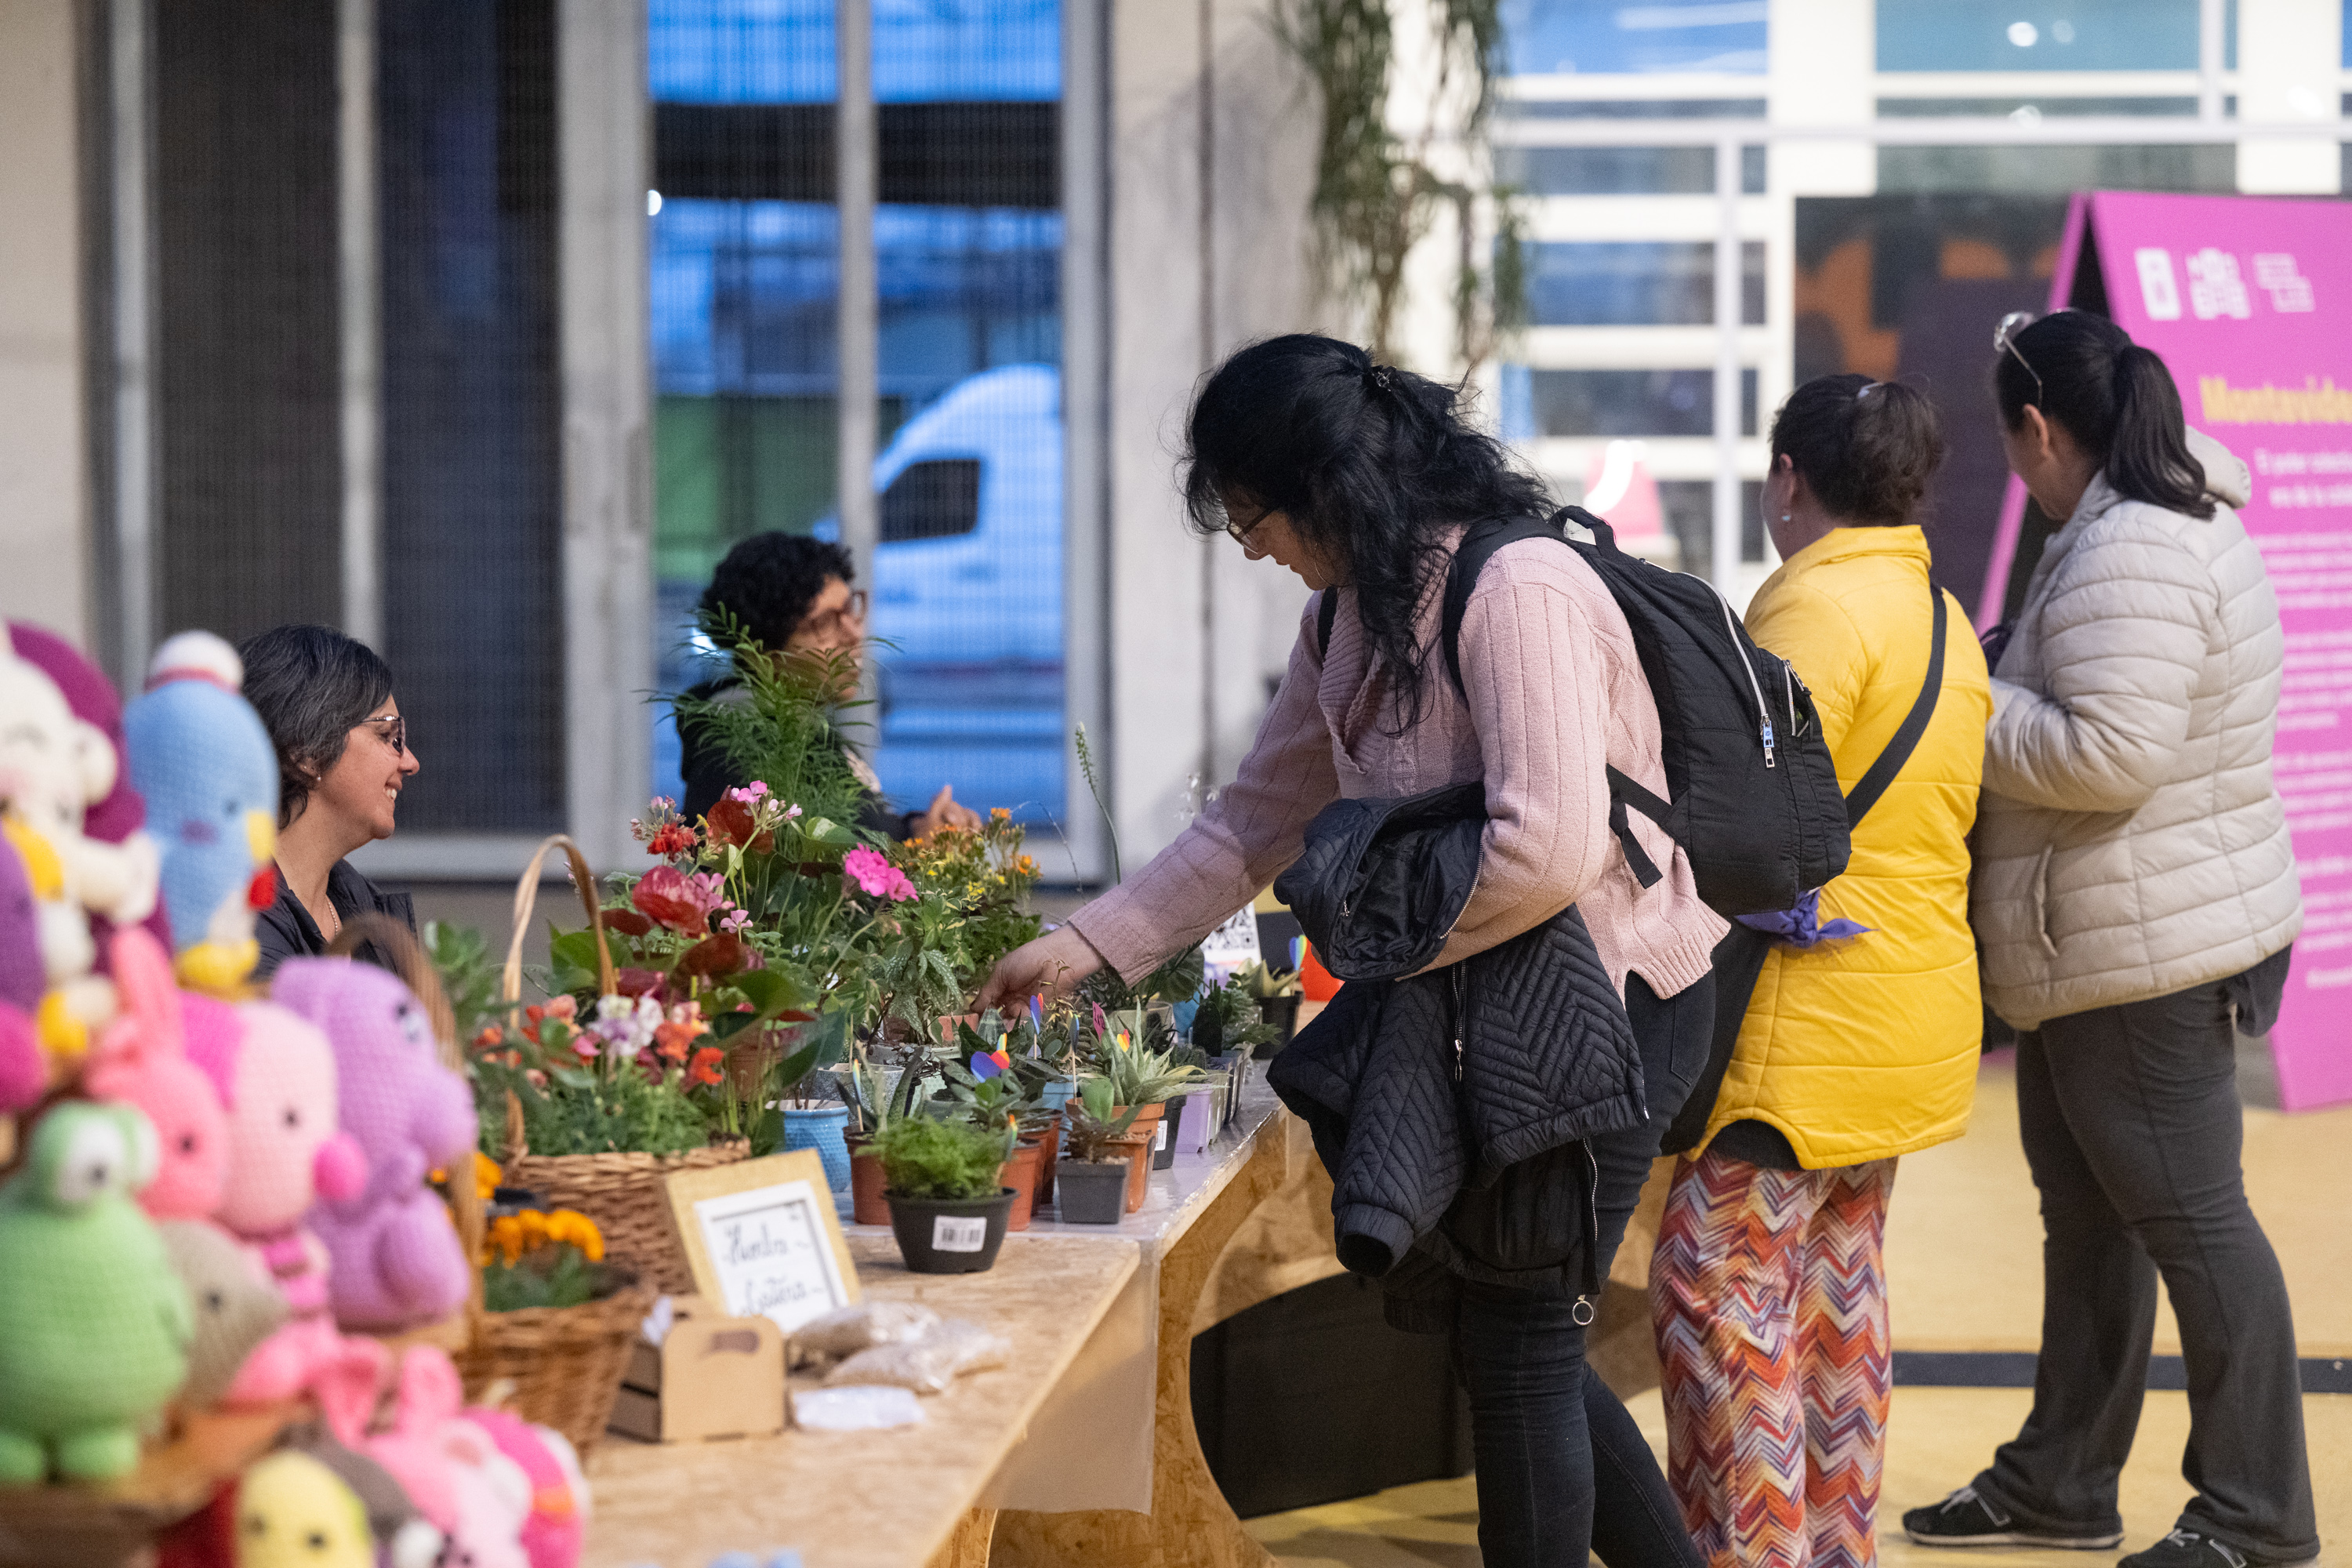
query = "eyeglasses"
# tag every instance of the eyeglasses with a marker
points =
(850, 617)
(1241, 530)
(394, 732)
(2011, 325)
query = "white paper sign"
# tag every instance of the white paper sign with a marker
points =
(1161, 1141)
(959, 1233)
(771, 1252)
(1233, 946)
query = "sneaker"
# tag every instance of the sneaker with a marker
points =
(2186, 1548)
(1966, 1519)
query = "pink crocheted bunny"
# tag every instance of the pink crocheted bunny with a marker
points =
(451, 1469)
(396, 1257)
(141, 1059)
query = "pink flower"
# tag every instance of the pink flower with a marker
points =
(749, 793)
(871, 869)
(735, 921)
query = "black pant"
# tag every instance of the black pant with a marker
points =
(1563, 1468)
(2131, 1122)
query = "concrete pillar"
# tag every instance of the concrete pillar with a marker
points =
(604, 130)
(44, 492)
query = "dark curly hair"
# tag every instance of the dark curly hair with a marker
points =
(1370, 463)
(1866, 447)
(769, 581)
(312, 685)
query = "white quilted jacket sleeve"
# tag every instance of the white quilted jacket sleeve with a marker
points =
(2123, 637)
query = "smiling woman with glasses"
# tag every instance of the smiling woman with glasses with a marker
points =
(343, 761)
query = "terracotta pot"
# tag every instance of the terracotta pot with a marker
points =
(1020, 1174)
(867, 1206)
(1146, 1130)
(1139, 1174)
(1049, 1137)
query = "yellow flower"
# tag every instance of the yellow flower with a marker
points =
(486, 1176)
(1000, 814)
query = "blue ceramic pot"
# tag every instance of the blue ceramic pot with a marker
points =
(1059, 1091)
(819, 1127)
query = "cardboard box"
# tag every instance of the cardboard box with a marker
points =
(712, 1376)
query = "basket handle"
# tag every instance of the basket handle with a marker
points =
(527, 895)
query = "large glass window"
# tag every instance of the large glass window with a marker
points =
(1558, 36)
(1582, 403)
(2039, 35)
(1636, 283)
(967, 590)
(1621, 171)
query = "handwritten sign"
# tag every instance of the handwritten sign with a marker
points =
(763, 1237)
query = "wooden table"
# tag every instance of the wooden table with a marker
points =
(1080, 1303)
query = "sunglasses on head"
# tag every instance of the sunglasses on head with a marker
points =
(2004, 335)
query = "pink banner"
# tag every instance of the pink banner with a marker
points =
(2249, 303)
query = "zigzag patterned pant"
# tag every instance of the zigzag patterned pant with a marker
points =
(1769, 1301)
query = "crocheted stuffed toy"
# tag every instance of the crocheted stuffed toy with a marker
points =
(558, 1526)
(141, 1059)
(74, 1002)
(293, 1512)
(94, 1326)
(451, 1470)
(235, 1307)
(394, 1258)
(93, 698)
(203, 760)
(24, 1070)
(54, 767)
(404, 1538)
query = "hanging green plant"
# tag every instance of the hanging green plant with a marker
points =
(1376, 194)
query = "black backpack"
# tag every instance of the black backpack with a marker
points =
(1755, 798)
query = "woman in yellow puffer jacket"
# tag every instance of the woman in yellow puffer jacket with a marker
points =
(1860, 1040)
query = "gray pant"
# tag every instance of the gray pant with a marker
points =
(2131, 1122)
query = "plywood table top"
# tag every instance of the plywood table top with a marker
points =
(869, 1500)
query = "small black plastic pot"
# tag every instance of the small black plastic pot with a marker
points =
(1282, 1012)
(949, 1235)
(1091, 1194)
(1172, 1121)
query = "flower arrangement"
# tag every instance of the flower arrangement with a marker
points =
(541, 1259)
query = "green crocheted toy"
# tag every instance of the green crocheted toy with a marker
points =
(94, 1324)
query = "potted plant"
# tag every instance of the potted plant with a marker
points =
(985, 1090)
(1093, 1172)
(1277, 1004)
(948, 1205)
(798, 1116)
(556, 1323)
(1142, 1078)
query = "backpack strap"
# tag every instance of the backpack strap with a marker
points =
(1482, 540)
(1326, 612)
(1898, 750)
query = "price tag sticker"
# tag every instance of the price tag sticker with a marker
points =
(1159, 1139)
(957, 1232)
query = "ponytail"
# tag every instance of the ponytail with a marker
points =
(2116, 400)
(2148, 455)
(1867, 448)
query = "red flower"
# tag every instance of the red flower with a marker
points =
(712, 956)
(730, 822)
(628, 923)
(531, 1017)
(676, 838)
(665, 895)
(710, 1066)
(634, 982)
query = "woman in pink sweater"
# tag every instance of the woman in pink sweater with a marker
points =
(1362, 478)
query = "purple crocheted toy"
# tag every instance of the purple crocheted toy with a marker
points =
(396, 1259)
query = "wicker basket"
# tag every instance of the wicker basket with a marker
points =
(563, 1364)
(624, 1193)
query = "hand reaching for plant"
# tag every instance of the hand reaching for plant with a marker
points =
(945, 811)
(1051, 967)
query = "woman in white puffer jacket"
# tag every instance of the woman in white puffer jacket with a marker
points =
(2136, 896)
